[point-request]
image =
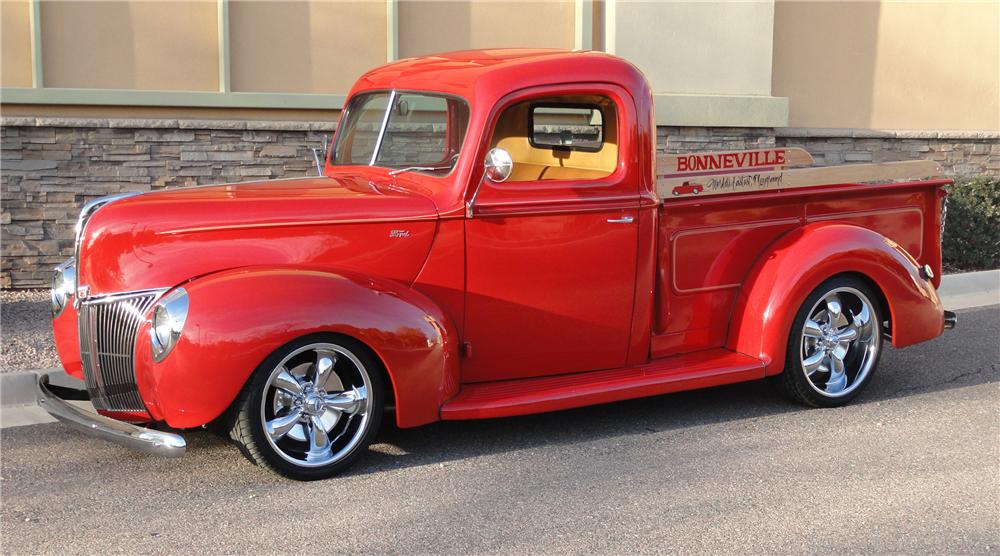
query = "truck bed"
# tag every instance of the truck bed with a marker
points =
(707, 245)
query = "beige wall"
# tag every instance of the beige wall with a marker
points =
(168, 113)
(304, 47)
(864, 64)
(698, 47)
(15, 44)
(889, 65)
(130, 45)
(429, 27)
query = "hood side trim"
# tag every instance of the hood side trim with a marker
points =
(298, 223)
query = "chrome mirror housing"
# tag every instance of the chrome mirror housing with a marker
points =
(499, 164)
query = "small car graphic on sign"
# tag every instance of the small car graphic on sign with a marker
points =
(688, 188)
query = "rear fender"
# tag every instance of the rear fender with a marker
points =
(801, 260)
(236, 318)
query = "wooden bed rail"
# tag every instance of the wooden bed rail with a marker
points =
(719, 173)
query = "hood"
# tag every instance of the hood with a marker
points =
(351, 198)
(347, 222)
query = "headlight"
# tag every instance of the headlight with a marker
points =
(168, 322)
(63, 286)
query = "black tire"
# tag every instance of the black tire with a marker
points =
(247, 424)
(861, 357)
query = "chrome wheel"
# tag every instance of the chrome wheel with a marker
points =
(840, 342)
(316, 405)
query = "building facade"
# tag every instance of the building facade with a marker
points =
(101, 97)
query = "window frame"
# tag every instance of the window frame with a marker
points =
(486, 198)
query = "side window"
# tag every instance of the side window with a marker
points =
(572, 137)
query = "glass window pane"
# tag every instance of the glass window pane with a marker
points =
(361, 129)
(567, 127)
(417, 133)
(423, 132)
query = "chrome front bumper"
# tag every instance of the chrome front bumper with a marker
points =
(135, 437)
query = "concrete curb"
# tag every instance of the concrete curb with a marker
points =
(17, 397)
(17, 389)
(970, 289)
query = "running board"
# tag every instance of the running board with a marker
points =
(690, 371)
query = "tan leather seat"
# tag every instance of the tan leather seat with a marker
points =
(571, 173)
(524, 171)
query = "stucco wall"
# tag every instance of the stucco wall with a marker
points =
(15, 44)
(698, 47)
(873, 64)
(304, 47)
(708, 63)
(151, 45)
(889, 65)
(429, 27)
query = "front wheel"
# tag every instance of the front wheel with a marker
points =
(311, 408)
(834, 345)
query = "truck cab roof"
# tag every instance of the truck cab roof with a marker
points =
(485, 76)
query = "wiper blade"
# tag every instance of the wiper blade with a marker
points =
(409, 168)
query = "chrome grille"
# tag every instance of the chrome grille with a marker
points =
(108, 329)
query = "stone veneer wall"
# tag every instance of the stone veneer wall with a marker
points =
(51, 166)
(960, 153)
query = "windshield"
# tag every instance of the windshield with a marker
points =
(422, 132)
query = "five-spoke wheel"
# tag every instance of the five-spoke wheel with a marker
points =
(311, 407)
(834, 345)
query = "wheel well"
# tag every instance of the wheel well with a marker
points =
(883, 303)
(390, 393)
(224, 420)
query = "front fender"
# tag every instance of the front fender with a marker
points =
(236, 318)
(66, 334)
(801, 260)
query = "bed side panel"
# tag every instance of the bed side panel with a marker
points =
(705, 249)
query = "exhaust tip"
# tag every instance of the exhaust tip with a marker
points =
(950, 320)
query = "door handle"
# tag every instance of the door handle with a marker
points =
(622, 220)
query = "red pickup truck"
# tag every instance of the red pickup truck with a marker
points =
(493, 234)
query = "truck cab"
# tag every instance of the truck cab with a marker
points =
(493, 233)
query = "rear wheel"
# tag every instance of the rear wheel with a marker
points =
(311, 408)
(834, 345)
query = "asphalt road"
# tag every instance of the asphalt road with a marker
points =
(912, 466)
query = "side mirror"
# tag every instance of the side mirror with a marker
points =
(499, 164)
